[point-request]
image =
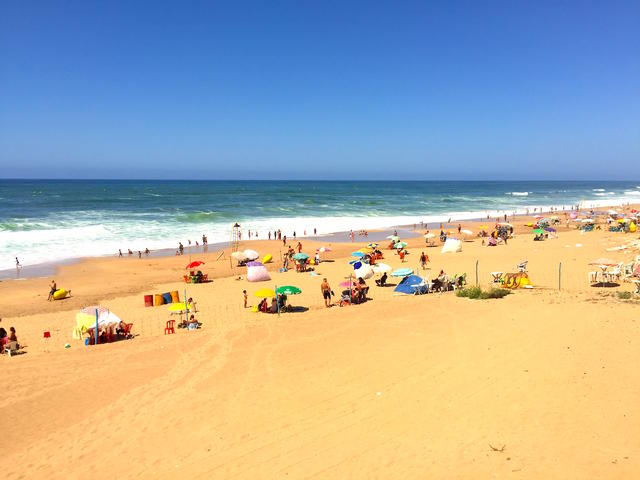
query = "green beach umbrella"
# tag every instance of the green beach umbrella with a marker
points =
(538, 231)
(288, 290)
(300, 256)
(400, 245)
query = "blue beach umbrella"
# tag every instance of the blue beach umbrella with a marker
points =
(357, 254)
(402, 272)
(357, 265)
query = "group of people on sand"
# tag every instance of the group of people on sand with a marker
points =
(8, 340)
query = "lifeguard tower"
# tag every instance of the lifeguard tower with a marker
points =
(235, 237)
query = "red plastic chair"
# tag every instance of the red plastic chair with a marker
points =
(47, 334)
(169, 328)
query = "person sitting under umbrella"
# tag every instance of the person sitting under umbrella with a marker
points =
(383, 280)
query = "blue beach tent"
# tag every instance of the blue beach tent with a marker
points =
(406, 285)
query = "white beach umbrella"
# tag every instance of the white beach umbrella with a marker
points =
(251, 254)
(381, 268)
(429, 235)
(365, 271)
(466, 232)
(239, 256)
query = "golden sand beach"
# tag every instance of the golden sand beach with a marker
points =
(543, 383)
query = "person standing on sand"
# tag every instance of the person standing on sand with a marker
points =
(299, 246)
(120, 252)
(18, 264)
(459, 228)
(423, 261)
(326, 292)
(244, 296)
(284, 240)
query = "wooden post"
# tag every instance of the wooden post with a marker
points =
(476, 273)
(560, 276)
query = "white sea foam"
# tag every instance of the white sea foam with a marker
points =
(50, 244)
(518, 194)
(599, 190)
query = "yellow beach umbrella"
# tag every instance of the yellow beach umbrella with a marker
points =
(366, 250)
(177, 307)
(265, 293)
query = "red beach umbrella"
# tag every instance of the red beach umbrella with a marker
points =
(195, 264)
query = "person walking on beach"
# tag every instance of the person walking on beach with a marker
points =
(181, 248)
(299, 247)
(53, 289)
(459, 228)
(120, 252)
(18, 266)
(326, 292)
(423, 261)
(269, 235)
(245, 298)
(284, 240)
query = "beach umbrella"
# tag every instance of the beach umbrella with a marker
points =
(538, 231)
(177, 307)
(323, 249)
(251, 254)
(345, 284)
(288, 290)
(604, 261)
(366, 250)
(381, 268)
(195, 264)
(239, 256)
(401, 272)
(395, 238)
(365, 271)
(505, 224)
(550, 229)
(254, 263)
(429, 235)
(466, 232)
(265, 293)
(300, 256)
(357, 264)
(353, 262)
(587, 220)
(357, 254)
(400, 245)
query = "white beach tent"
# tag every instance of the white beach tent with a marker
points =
(452, 245)
(258, 273)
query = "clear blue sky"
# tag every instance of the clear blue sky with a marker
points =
(302, 89)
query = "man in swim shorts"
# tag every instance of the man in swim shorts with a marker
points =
(326, 292)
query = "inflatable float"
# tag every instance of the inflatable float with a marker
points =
(60, 294)
(267, 258)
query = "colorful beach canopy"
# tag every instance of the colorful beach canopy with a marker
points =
(265, 293)
(195, 264)
(401, 272)
(288, 290)
(300, 256)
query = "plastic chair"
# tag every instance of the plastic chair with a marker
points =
(169, 328)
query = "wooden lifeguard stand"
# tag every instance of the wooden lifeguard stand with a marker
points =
(235, 237)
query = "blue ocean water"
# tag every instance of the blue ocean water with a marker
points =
(50, 220)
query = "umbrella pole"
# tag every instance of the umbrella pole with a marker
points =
(186, 308)
(277, 301)
(96, 341)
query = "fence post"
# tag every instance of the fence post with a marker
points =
(476, 273)
(560, 276)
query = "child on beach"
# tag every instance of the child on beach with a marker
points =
(53, 289)
(244, 296)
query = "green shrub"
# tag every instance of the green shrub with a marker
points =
(476, 293)
(625, 295)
